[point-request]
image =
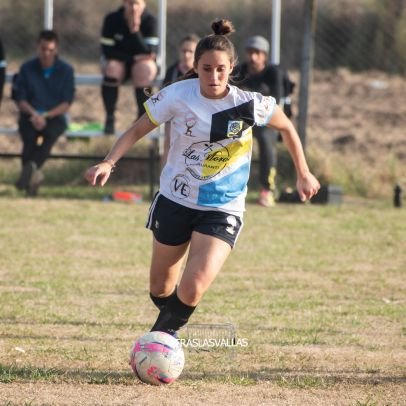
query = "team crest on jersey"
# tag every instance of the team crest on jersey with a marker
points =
(234, 128)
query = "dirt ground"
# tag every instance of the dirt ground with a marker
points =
(200, 394)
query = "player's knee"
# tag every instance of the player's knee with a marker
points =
(161, 288)
(144, 73)
(193, 294)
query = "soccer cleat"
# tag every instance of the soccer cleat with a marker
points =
(109, 125)
(25, 177)
(266, 198)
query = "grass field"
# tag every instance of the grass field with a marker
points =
(318, 292)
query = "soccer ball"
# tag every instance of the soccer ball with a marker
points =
(157, 358)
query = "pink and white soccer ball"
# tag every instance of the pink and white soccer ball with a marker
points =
(157, 358)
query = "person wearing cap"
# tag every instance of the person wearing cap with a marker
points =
(129, 43)
(256, 74)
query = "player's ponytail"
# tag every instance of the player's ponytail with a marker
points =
(218, 41)
(214, 42)
(222, 27)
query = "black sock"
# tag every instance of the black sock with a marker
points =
(110, 95)
(161, 302)
(173, 316)
(140, 97)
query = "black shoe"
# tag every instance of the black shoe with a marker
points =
(109, 125)
(26, 175)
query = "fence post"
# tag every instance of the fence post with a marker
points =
(309, 17)
(48, 14)
(276, 32)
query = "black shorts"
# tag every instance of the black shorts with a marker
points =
(173, 224)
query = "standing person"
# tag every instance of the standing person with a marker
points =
(255, 74)
(3, 65)
(44, 92)
(199, 208)
(129, 43)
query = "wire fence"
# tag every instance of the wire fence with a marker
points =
(360, 35)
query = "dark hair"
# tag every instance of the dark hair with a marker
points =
(190, 37)
(217, 41)
(48, 35)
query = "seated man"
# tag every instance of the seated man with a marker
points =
(129, 43)
(44, 92)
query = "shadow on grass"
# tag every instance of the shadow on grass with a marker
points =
(282, 377)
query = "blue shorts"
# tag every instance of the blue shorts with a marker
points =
(173, 224)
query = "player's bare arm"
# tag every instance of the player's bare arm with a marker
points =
(307, 184)
(99, 174)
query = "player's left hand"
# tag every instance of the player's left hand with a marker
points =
(98, 174)
(307, 186)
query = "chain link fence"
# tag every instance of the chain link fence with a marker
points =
(360, 35)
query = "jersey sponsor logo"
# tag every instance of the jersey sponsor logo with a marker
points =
(180, 187)
(206, 159)
(157, 97)
(234, 128)
(190, 122)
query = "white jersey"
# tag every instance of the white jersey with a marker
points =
(210, 150)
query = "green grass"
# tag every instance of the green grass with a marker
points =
(318, 292)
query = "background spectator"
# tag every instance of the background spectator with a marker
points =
(186, 54)
(257, 75)
(129, 43)
(44, 92)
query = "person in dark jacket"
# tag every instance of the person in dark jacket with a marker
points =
(129, 44)
(44, 91)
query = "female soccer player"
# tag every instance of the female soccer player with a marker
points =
(203, 185)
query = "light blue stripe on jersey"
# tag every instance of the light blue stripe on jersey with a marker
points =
(225, 189)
